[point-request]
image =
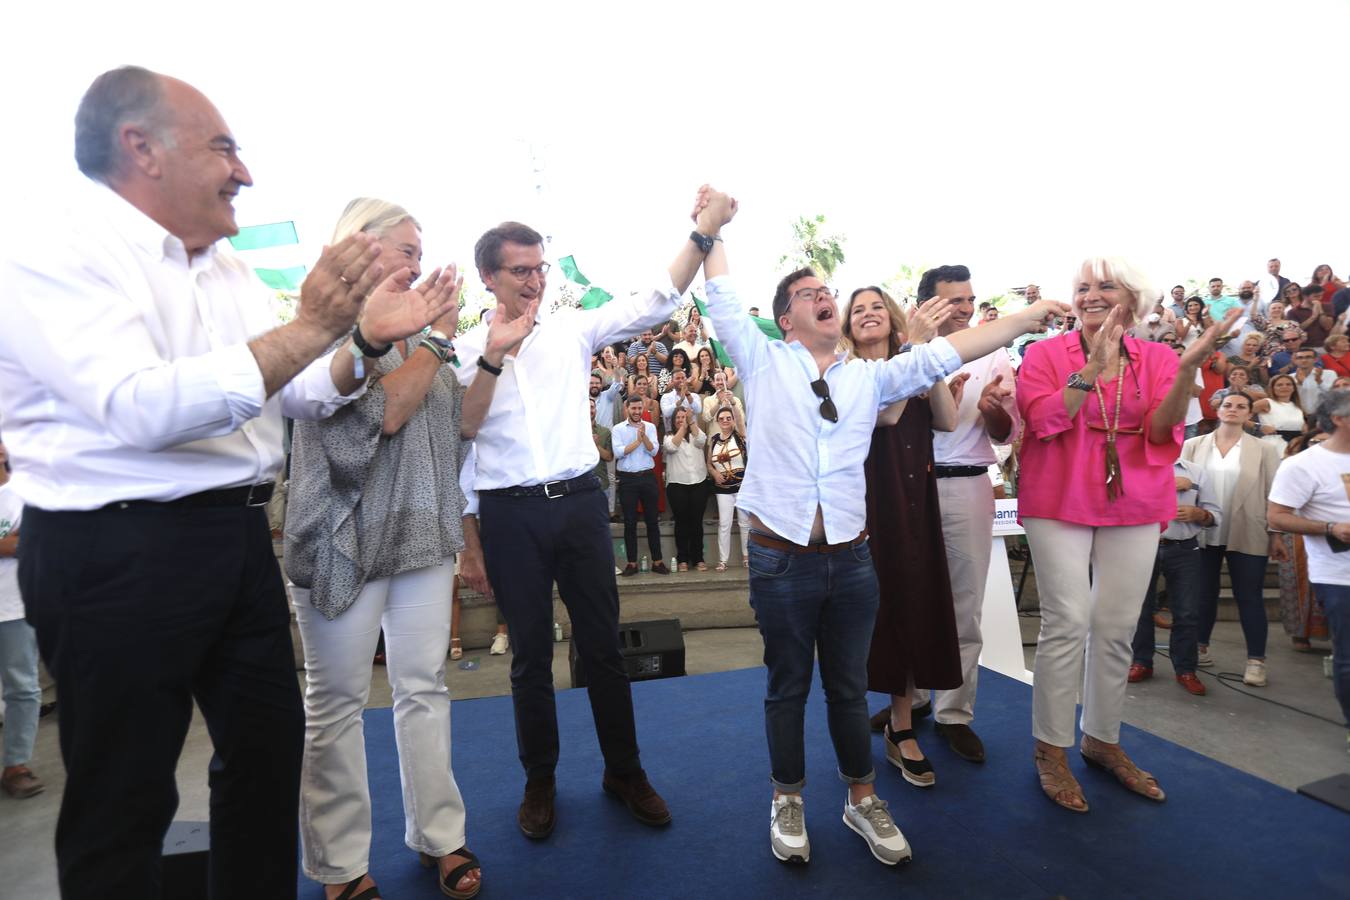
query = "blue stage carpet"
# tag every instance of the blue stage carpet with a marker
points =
(983, 831)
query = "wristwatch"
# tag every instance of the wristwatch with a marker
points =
(1078, 382)
(703, 241)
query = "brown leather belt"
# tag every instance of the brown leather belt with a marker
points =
(788, 547)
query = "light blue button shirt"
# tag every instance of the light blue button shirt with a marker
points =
(641, 459)
(604, 404)
(802, 461)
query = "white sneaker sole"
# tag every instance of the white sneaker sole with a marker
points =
(908, 851)
(794, 858)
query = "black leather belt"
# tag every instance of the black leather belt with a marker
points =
(1189, 540)
(248, 495)
(550, 489)
(959, 471)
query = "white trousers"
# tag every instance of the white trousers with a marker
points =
(967, 530)
(1086, 629)
(414, 610)
(726, 507)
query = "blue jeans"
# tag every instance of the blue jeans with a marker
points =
(1247, 574)
(23, 696)
(1335, 600)
(1180, 565)
(809, 603)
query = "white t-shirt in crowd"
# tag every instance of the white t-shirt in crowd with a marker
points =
(11, 509)
(1315, 484)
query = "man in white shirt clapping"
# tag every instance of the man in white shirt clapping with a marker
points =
(145, 384)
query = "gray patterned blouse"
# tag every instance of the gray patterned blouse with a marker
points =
(364, 506)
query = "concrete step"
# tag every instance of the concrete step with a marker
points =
(667, 530)
(705, 600)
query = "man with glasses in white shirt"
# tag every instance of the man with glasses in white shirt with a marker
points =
(812, 583)
(145, 383)
(542, 517)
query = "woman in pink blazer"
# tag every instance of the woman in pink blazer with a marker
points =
(1104, 416)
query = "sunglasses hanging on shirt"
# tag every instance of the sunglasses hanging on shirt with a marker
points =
(827, 408)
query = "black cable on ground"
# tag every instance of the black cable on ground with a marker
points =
(1229, 679)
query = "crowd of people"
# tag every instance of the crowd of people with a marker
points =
(1148, 436)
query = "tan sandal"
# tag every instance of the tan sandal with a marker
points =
(1135, 779)
(1058, 782)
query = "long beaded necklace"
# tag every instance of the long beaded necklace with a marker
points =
(1115, 485)
(1115, 477)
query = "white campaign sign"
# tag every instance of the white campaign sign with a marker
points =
(999, 622)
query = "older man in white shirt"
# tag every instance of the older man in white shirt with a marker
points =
(812, 583)
(145, 384)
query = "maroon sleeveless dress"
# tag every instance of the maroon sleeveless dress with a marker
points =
(915, 631)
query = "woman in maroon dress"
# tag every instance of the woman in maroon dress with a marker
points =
(915, 634)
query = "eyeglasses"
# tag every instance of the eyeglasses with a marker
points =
(822, 390)
(811, 294)
(523, 273)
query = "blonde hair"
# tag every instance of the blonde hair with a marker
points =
(1124, 273)
(899, 325)
(372, 216)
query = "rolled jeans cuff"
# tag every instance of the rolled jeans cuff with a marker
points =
(870, 777)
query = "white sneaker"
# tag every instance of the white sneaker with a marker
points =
(787, 829)
(500, 644)
(871, 819)
(1255, 674)
(1203, 659)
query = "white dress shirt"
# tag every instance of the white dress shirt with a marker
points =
(1316, 383)
(670, 401)
(803, 461)
(641, 459)
(969, 444)
(1267, 289)
(538, 428)
(126, 368)
(684, 461)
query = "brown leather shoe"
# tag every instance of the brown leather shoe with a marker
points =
(536, 816)
(20, 783)
(638, 795)
(964, 742)
(1191, 683)
(1139, 672)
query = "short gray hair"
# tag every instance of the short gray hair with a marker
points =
(372, 216)
(1333, 403)
(129, 94)
(1125, 273)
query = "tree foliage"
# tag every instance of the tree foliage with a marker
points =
(814, 246)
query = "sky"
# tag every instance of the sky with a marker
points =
(1197, 138)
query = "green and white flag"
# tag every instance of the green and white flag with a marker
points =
(765, 325)
(273, 252)
(593, 297)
